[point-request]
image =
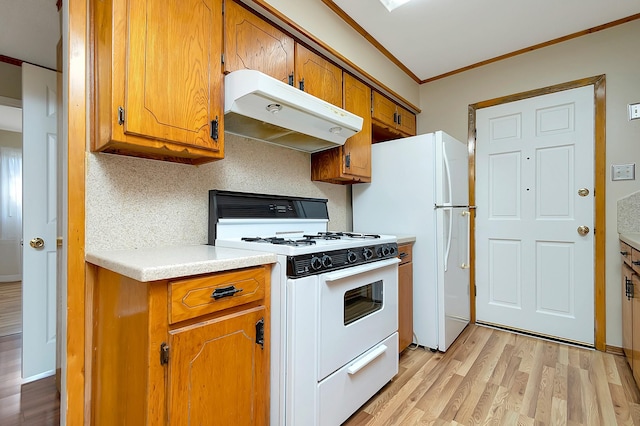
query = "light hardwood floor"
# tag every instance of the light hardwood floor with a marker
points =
(493, 377)
(10, 305)
(36, 403)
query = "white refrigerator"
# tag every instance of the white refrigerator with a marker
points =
(419, 186)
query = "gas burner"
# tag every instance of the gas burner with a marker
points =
(339, 235)
(278, 241)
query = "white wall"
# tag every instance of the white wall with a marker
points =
(612, 52)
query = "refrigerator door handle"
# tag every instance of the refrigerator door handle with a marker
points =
(467, 263)
(448, 247)
(445, 161)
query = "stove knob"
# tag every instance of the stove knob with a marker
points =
(316, 263)
(386, 251)
(351, 257)
(327, 262)
(367, 253)
(392, 250)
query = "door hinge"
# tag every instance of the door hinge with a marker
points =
(120, 115)
(164, 354)
(222, 59)
(214, 129)
(347, 161)
(475, 290)
(260, 332)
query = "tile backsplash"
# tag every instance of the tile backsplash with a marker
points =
(134, 203)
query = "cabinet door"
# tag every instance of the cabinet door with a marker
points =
(351, 162)
(253, 43)
(384, 111)
(318, 76)
(157, 79)
(406, 122)
(635, 338)
(627, 313)
(218, 374)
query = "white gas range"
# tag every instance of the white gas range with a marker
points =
(334, 303)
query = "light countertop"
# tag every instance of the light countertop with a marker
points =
(151, 264)
(403, 239)
(632, 239)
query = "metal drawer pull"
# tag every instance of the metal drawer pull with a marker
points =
(403, 255)
(219, 293)
(624, 253)
(636, 262)
(366, 360)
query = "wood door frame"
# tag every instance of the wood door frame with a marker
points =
(599, 85)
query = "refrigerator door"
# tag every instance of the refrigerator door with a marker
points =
(452, 171)
(452, 241)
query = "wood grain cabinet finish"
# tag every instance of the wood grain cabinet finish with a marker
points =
(152, 366)
(250, 42)
(631, 307)
(390, 120)
(157, 80)
(405, 296)
(350, 163)
(317, 76)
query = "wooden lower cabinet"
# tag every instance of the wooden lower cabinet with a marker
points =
(209, 369)
(631, 307)
(405, 296)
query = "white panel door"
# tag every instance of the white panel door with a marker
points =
(39, 222)
(534, 269)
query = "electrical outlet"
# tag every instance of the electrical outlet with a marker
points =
(634, 111)
(623, 171)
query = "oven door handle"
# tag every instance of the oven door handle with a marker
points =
(360, 269)
(366, 360)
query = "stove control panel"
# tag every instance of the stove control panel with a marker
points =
(317, 263)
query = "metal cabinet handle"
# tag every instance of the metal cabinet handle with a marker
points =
(219, 293)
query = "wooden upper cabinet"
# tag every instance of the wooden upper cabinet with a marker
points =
(390, 120)
(317, 76)
(157, 80)
(250, 42)
(351, 162)
(406, 122)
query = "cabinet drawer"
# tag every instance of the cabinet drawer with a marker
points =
(405, 253)
(625, 252)
(190, 298)
(635, 260)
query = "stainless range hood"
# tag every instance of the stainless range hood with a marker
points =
(261, 107)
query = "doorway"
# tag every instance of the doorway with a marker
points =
(597, 265)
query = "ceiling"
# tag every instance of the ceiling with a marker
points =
(30, 30)
(434, 37)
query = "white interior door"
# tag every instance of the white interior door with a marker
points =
(534, 266)
(39, 222)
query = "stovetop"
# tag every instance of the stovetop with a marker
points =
(294, 227)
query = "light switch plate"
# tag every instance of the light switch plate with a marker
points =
(634, 111)
(623, 171)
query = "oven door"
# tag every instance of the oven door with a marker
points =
(358, 309)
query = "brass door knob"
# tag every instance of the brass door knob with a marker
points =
(583, 230)
(583, 192)
(36, 243)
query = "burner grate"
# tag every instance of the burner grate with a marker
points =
(279, 241)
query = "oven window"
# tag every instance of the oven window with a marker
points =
(362, 301)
